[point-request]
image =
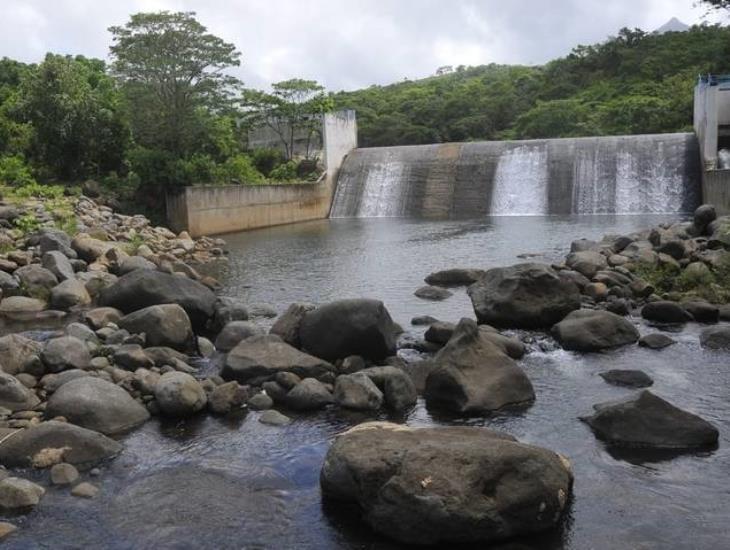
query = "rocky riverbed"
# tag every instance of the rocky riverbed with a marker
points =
(120, 326)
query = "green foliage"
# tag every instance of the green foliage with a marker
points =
(293, 111)
(240, 169)
(712, 285)
(39, 191)
(27, 223)
(633, 83)
(266, 159)
(14, 171)
(285, 172)
(173, 74)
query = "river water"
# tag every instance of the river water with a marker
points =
(236, 483)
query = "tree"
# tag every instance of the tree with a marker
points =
(173, 73)
(716, 4)
(293, 110)
(77, 115)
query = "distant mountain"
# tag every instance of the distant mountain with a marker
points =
(673, 25)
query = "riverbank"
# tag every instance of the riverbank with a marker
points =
(294, 450)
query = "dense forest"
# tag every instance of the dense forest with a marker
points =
(633, 83)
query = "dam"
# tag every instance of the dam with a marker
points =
(597, 175)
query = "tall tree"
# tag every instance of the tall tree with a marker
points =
(293, 111)
(174, 74)
(716, 4)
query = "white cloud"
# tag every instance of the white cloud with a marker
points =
(347, 43)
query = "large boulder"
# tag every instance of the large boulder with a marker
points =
(663, 311)
(349, 327)
(357, 391)
(65, 352)
(445, 486)
(16, 350)
(586, 262)
(14, 396)
(594, 330)
(178, 394)
(455, 277)
(164, 325)
(397, 387)
(260, 358)
(70, 293)
(82, 447)
(145, 287)
(98, 405)
(57, 263)
(287, 325)
(235, 332)
(716, 338)
(647, 420)
(472, 375)
(529, 295)
(37, 281)
(53, 240)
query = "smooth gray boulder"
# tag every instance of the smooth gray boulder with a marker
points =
(145, 287)
(58, 264)
(349, 327)
(83, 447)
(65, 352)
(627, 378)
(68, 294)
(358, 392)
(14, 396)
(235, 332)
(287, 325)
(98, 405)
(397, 386)
(164, 325)
(178, 395)
(455, 277)
(472, 375)
(656, 340)
(594, 330)
(529, 295)
(445, 486)
(715, 338)
(647, 420)
(262, 357)
(434, 293)
(17, 494)
(16, 350)
(663, 311)
(309, 395)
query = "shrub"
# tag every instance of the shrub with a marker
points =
(39, 191)
(14, 171)
(27, 223)
(266, 159)
(285, 172)
(241, 169)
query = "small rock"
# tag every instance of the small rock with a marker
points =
(85, 490)
(274, 418)
(6, 529)
(656, 341)
(628, 378)
(18, 494)
(433, 293)
(260, 402)
(64, 474)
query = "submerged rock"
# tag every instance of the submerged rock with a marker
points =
(628, 378)
(472, 375)
(594, 330)
(446, 485)
(656, 340)
(349, 327)
(717, 338)
(647, 420)
(274, 418)
(98, 405)
(433, 293)
(455, 277)
(529, 295)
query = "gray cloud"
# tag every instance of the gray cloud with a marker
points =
(347, 44)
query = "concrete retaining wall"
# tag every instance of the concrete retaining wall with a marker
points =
(216, 209)
(716, 190)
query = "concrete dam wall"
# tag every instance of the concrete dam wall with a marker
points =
(600, 175)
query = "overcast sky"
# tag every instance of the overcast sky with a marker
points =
(347, 44)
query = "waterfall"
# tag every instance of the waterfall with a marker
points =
(601, 175)
(520, 183)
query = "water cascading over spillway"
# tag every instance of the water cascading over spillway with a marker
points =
(603, 175)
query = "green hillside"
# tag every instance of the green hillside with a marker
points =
(631, 84)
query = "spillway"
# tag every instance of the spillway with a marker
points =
(599, 175)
